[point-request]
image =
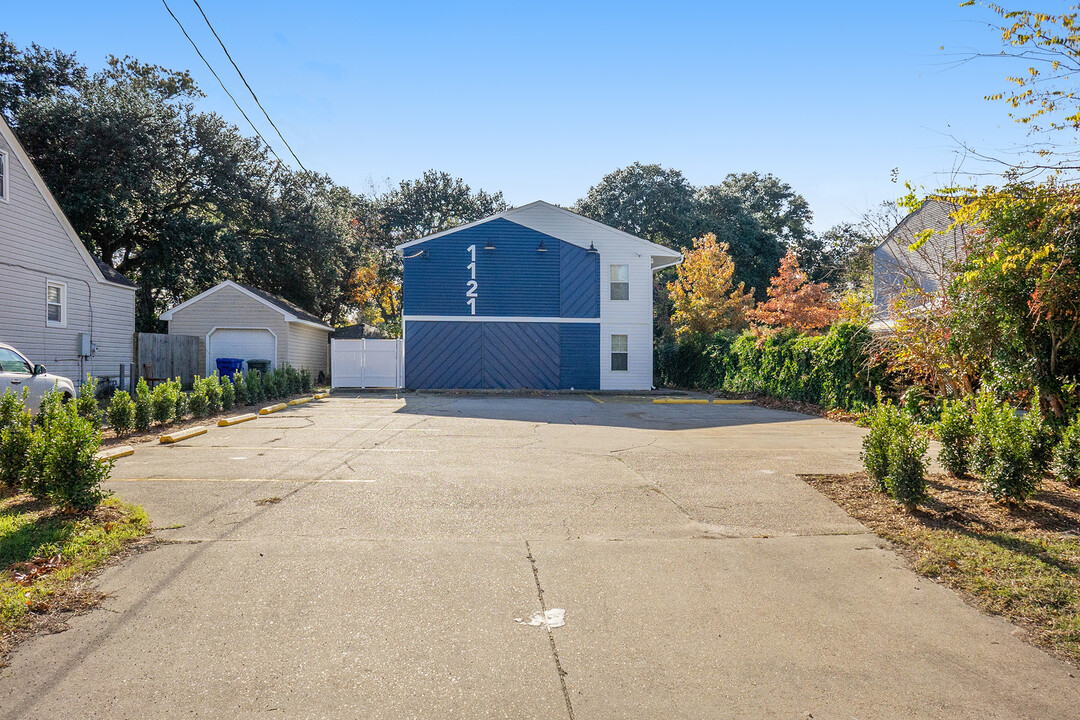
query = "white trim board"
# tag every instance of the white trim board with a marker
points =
(28, 165)
(496, 318)
(289, 317)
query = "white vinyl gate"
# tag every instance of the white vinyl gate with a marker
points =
(367, 363)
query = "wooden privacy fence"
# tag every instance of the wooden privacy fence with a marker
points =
(170, 355)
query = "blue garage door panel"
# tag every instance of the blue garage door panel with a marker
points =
(579, 282)
(521, 355)
(443, 355)
(580, 351)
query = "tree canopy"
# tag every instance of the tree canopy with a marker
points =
(705, 299)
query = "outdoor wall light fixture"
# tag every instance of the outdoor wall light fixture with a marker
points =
(490, 245)
(541, 248)
(592, 248)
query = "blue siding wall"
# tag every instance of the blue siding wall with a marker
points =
(521, 355)
(579, 347)
(579, 282)
(503, 355)
(443, 354)
(512, 279)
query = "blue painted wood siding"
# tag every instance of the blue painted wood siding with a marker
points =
(502, 355)
(512, 279)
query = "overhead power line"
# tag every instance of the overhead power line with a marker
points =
(253, 95)
(222, 84)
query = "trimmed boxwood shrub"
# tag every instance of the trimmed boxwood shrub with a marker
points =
(1066, 463)
(956, 431)
(894, 454)
(121, 412)
(15, 434)
(143, 405)
(1009, 450)
(87, 403)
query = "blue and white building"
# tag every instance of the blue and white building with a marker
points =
(536, 297)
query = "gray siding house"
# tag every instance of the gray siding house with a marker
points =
(59, 305)
(898, 268)
(239, 321)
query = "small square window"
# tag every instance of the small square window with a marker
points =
(620, 352)
(620, 282)
(55, 304)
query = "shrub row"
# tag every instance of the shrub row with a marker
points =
(834, 370)
(167, 402)
(54, 455)
(1009, 450)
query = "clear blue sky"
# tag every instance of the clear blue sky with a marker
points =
(540, 100)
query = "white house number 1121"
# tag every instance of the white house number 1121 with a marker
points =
(471, 286)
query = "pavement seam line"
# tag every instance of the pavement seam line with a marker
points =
(550, 633)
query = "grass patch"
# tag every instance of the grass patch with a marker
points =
(42, 552)
(1019, 562)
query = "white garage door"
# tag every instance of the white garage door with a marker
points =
(244, 343)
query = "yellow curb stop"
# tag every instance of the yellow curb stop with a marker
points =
(301, 401)
(272, 409)
(183, 434)
(320, 396)
(236, 419)
(718, 401)
(681, 401)
(115, 452)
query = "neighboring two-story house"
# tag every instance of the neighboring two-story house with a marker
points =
(536, 297)
(59, 305)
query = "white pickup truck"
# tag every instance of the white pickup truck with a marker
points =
(16, 373)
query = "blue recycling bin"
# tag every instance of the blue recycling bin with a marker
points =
(227, 366)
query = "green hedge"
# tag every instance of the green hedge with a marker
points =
(833, 370)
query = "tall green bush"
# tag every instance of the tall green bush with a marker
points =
(121, 412)
(163, 402)
(212, 387)
(48, 424)
(1009, 450)
(306, 382)
(1066, 463)
(906, 479)
(72, 472)
(182, 409)
(956, 432)
(894, 453)
(254, 387)
(15, 435)
(198, 401)
(228, 394)
(240, 387)
(143, 406)
(87, 403)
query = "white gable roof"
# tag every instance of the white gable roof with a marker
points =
(289, 317)
(569, 227)
(46, 194)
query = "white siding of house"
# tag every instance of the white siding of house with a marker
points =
(230, 308)
(309, 348)
(35, 248)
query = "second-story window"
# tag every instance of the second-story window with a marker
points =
(620, 282)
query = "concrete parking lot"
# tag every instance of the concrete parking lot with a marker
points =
(369, 557)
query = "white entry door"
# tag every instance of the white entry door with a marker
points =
(243, 343)
(367, 363)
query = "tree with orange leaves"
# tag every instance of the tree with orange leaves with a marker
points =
(704, 296)
(378, 293)
(794, 302)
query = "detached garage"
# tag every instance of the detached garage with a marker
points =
(239, 321)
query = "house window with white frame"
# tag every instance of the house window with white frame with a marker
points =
(620, 282)
(56, 304)
(3, 175)
(620, 352)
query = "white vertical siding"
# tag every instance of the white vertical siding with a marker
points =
(633, 318)
(35, 248)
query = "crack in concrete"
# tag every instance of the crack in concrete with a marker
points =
(551, 634)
